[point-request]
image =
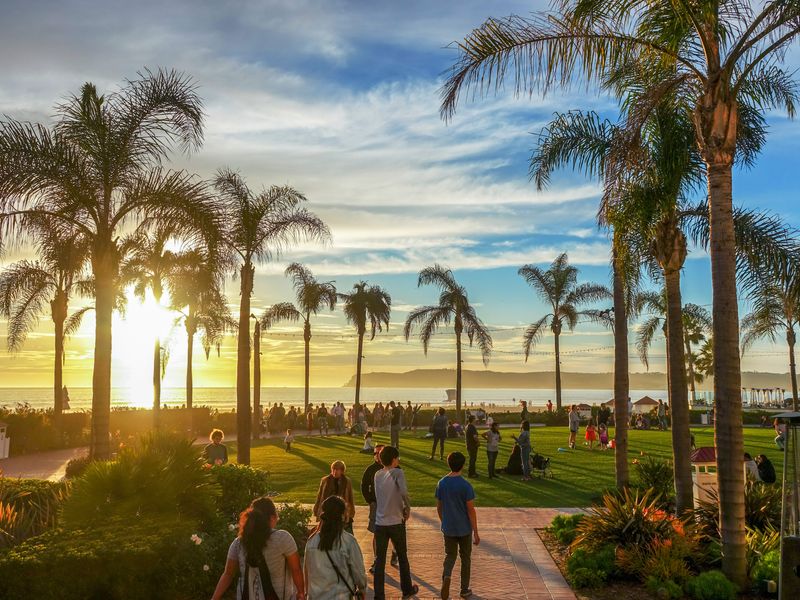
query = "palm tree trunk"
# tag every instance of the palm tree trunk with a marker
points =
(690, 369)
(103, 267)
(58, 312)
(558, 370)
(790, 339)
(458, 378)
(157, 384)
(307, 339)
(358, 373)
(190, 330)
(727, 372)
(621, 378)
(256, 380)
(679, 404)
(243, 367)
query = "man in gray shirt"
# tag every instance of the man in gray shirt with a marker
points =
(392, 510)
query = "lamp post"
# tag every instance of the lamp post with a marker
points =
(789, 579)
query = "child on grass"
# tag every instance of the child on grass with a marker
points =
(369, 445)
(602, 434)
(591, 435)
(288, 440)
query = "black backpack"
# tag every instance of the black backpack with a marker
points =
(766, 471)
(266, 580)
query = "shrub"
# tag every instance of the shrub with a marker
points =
(762, 505)
(767, 567)
(239, 485)
(657, 475)
(33, 430)
(711, 585)
(664, 588)
(77, 466)
(29, 507)
(295, 518)
(759, 544)
(591, 568)
(666, 560)
(564, 527)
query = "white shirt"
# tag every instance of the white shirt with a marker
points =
(322, 582)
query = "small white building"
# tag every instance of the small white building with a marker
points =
(704, 475)
(644, 405)
(5, 442)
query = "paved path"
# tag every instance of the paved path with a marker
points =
(511, 563)
(42, 465)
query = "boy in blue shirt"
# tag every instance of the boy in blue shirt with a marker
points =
(455, 505)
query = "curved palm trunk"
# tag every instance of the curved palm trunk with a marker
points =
(243, 367)
(307, 339)
(556, 335)
(690, 370)
(621, 379)
(191, 328)
(157, 384)
(678, 400)
(256, 380)
(790, 340)
(458, 377)
(358, 372)
(103, 268)
(58, 311)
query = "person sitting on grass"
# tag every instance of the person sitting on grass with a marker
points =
(262, 556)
(337, 484)
(288, 440)
(369, 445)
(216, 453)
(766, 470)
(514, 464)
(524, 441)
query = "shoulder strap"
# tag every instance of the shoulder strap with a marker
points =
(339, 576)
(266, 579)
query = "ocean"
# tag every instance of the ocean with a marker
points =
(225, 398)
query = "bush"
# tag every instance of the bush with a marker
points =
(762, 505)
(33, 430)
(591, 569)
(564, 527)
(77, 466)
(28, 507)
(711, 585)
(767, 567)
(295, 518)
(239, 485)
(759, 544)
(666, 560)
(655, 474)
(664, 589)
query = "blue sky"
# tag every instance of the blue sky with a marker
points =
(340, 100)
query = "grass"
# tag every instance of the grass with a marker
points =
(581, 475)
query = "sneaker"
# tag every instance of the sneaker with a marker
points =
(445, 588)
(466, 593)
(414, 592)
(395, 562)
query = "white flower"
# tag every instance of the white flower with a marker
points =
(206, 568)
(196, 539)
(299, 524)
(231, 527)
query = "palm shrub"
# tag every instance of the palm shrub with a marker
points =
(761, 546)
(657, 475)
(28, 507)
(762, 509)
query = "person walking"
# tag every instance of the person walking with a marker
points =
(473, 443)
(333, 564)
(368, 492)
(439, 431)
(574, 424)
(408, 416)
(662, 415)
(492, 438)
(455, 504)
(524, 442)
(262, 556)
(322, 419)
(393, 508)
(216, 453)
(337, 484)
(395, 423)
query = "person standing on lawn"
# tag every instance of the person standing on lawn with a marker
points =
(368, 492)
(455, 504)
(524, 442)
(395, 423)
(492, 438)
(439, 431)
(216, 453)
(473, 442)
(574, 425)
(393, 508)
(337, 484)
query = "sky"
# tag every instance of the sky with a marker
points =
(340, 100)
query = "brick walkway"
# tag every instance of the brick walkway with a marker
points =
(510, 563)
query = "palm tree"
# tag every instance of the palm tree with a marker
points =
(312, 296)
(28, 287)
(696, 325)
(99, 171)
(453, 306)
(776, 309)
(366, 306)
(259, 226)
(558, 286)
(720, 59)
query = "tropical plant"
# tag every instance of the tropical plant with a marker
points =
(312, 296)
(99, 171)
(366, 306)
(704, 362)
(720, 59)
(763, 553)
(28, 507)
(762, 504)
(775, 309)
(453, 307)
(258, 227)
(27, 288)
(558, 286)
(712, 585)
(656, 475)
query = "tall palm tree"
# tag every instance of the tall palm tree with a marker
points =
(366, 306)
(776, 309)
(99, 170)
(258, 227)
(312, 296)
(453, 306)
(696, 326)
(558, 287)
(721, 59)
(27, 288)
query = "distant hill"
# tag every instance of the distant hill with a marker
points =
(445, 378)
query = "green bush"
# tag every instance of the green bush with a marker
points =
(767, 567)
(666, 560)
(34, 430)
(239, 485)
(591, 568)
(655, 474)
(759, 544)
(77, 466)
(295, 519)
(28, 507)
(711, 585)
(664, 589)
(564, 527)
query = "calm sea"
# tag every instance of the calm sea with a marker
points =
(225, 398)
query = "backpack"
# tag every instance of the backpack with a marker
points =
(264, 577)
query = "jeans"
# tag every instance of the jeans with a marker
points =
(472, 451)
(438, 438)
(453, 546)
(397, 534)
(492, 456)
(323, 424)
(395, 434)
(525, 455)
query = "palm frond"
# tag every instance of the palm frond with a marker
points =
(533, 334)
(282, 311)
(645, 334)
(25, 292)
(73, 322)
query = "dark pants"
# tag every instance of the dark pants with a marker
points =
(492, 456)
(394, 432)
(397, 534)
(438, 438)
(453, 546)
(473, 457)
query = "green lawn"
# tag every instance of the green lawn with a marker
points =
(580, 475)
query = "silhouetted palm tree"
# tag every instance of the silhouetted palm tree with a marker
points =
(311, 296)
(453, 306)
(99, 171)
(27, 288)
(366, 306)
(258, 226)
(558, 287)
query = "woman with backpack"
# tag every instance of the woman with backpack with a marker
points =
(265, 558)
(334, 565)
